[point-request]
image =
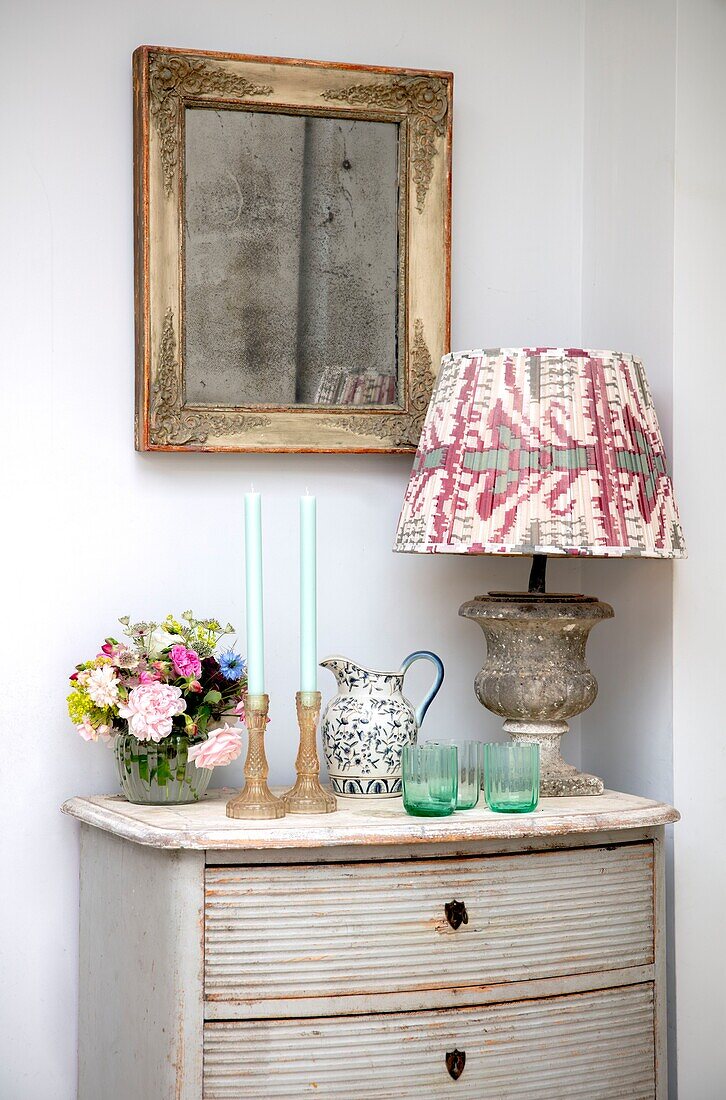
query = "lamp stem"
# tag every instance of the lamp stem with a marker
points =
(538, 574)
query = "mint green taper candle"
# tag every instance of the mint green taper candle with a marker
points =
(253, 594)
(308, 595)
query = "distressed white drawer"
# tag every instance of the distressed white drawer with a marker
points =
(592, 1046)
(275, 932)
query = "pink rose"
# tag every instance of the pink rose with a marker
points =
(185, 661)
(87, 731)
(150, 710)
(221, 747)
(147, 677)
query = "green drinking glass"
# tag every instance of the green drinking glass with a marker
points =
(471, 769)
(511, 777)
(470, 779)
(429, 779)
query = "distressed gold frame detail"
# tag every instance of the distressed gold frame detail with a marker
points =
(166, 82)
(170, 78)
(173, 425)
(426, 99)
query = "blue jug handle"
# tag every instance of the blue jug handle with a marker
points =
(439, 666)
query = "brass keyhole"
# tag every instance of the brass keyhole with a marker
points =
(456, 913)
(455, 1062)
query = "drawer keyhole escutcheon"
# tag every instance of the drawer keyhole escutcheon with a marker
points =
(455, 1062)
(456, 914)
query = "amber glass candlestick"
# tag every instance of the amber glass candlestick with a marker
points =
(256, 799)
(308, 796)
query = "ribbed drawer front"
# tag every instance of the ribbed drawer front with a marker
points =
(590, 1045)
(306, 931)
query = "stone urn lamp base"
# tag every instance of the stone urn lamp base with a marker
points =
(535, 675)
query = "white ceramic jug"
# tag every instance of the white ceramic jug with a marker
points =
(367, 723)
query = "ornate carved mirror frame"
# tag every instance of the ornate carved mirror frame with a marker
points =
(166, 82)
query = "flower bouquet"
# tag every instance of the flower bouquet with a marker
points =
(160, 698)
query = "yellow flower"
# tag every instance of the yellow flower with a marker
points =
(79, 705)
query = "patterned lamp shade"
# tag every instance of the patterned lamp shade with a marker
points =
(541, 451)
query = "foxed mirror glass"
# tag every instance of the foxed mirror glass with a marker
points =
(292, 248)
(290, 259)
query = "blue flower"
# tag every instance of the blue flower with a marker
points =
(231, 665)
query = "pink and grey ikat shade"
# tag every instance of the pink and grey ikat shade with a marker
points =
(541, 451)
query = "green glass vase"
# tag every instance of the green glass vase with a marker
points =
(159, 774)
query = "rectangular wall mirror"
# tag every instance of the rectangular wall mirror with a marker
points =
(292, 252)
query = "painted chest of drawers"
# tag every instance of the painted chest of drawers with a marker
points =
(367, 954)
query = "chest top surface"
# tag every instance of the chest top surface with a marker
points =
(204, 825)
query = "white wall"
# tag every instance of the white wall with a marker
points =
(654, 241)
(627, 303)
(700, 591)
(93, 530)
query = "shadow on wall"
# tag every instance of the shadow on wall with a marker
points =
(627, 733)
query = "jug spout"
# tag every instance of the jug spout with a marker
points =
(351, 675)
(346, 672)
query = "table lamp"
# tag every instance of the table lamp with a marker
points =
(540, 451)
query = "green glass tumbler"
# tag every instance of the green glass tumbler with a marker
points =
(511, 777)
(471, 769)
(429, 779)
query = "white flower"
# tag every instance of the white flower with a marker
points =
(161, 639)
(125, 657)
(102, 686)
